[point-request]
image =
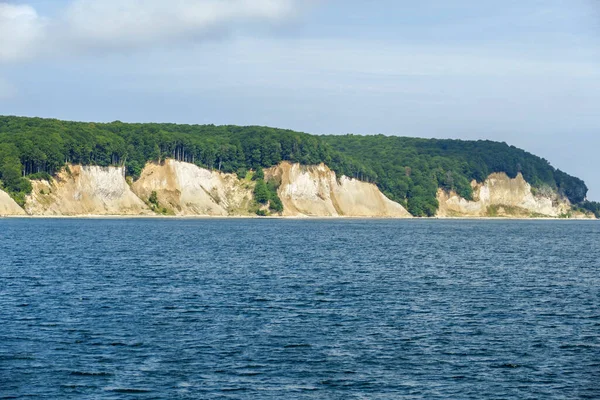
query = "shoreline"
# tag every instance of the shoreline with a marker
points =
(300, 217)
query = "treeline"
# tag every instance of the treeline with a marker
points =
(407, 170)
(44, 145)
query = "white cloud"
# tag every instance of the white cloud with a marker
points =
(88, 24)
(141, 22)
(21, 30)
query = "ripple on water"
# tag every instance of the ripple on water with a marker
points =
(127, 390)
(98, 374)
(277, 309)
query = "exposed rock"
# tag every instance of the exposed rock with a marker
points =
(502, 196)
(316, 191)
(186, 189)
(85, 190)
(8, 206)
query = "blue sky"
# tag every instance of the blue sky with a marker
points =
(524, 72)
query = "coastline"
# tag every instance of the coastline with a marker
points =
(301, 217)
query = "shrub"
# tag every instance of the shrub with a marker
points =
(153, 199)
(276, 205)
(40, 176)
(241, 173)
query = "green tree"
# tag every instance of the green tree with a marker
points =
(261, 193)
(259, 174)
(275, 204)
(241, 173)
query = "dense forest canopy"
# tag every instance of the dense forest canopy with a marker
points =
(408, 170)
(412, 169)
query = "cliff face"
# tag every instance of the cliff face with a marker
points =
(8, 206)
(316, 191)
(502, 196)
(85, 190)
(186, 189)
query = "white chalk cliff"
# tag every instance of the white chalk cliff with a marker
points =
(306, 191)
(186, 189)
(316, 191)
(85, 190)
(502, 196)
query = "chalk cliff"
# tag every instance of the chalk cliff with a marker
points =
(186, 189)
(316, 191)
(8, 206)
(501, 196)
(85, 190)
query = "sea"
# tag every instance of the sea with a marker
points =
(299, 309)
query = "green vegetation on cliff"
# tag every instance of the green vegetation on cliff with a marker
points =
(11, 175)
(591, 206)
(266, 192)
(407, 170)
(410, 170)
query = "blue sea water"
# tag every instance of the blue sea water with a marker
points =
(294, 309)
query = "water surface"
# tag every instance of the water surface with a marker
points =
(293, 309)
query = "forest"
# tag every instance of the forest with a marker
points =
(408, 170)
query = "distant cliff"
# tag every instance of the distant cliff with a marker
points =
(501, 196)
(208, 161)
(317, 191)
(184, 189)
(84, 190)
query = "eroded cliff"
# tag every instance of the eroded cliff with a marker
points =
(186, 189)
(85, 190)
(501, 196)
(316, 191)
(8, 206)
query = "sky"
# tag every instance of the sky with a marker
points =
(522, 72)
